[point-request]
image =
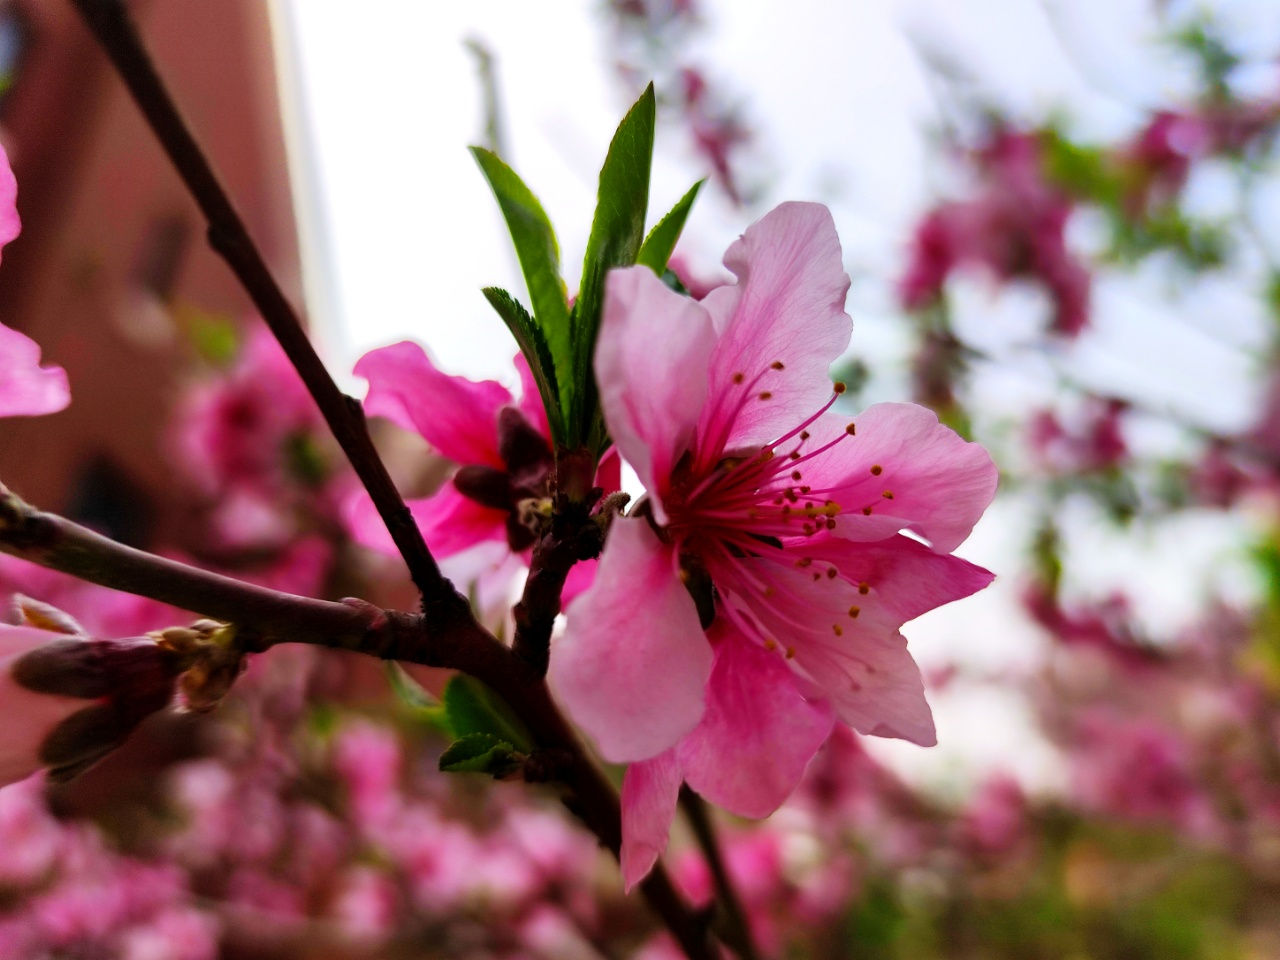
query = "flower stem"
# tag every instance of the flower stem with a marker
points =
(732, 923)
(116, 34)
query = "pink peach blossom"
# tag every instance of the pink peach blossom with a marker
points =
(768, 518)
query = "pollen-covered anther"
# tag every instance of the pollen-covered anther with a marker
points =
(791, 653)
(839, 387)
(866, 511)
(837, 630)
(851, 429)
(739, 377)
(831, 524)
(832, 573)
(805, 435)
(776, 365)
(888, 494)
(770, 644)
(809, 528)
(853, 612)
(796, 475)
(765, 395)
(794, 454)
(864, 588)
(804, 562)
(791, 495)
(877, 470)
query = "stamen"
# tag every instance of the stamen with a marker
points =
(864, 588)
(854, 611)
(888, 494)
(765, 395)
(776, 365)
(837, 630)
(877, 470)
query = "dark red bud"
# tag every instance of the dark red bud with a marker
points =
(485, 485)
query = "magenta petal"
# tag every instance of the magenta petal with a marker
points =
(781, 327)
(758, 732)
(457, 416)
(651, 363)
(633, 663)
(650, 790)
(10, 224)
(449, 522)
(902, 470)
(903, 578)
(580, 578)
(26, 388)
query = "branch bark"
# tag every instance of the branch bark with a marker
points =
(732, 922)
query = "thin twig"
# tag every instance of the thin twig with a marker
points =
(732, 923)
(115, 32)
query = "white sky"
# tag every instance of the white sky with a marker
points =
(404, 232)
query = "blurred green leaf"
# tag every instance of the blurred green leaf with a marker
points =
(471, 707)
(657, 247)
(480, 753)
(420, 705)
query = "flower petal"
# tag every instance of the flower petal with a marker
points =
(449, 522)
(863, 667)
(457, 416)
(651, 363)
(10, 224)
(650, 790)
(633, 663)
(901, 470)
(758, 732)
(787, 309)
(530, 399)
(903, 578)
(30, 716)
(26, 388)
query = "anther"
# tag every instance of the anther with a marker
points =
(831, 524)
(770, 644)
(877, 470)
(806, 488)
(888, 494)
(795, 474)
(854, 611)
(765, 394)
(739, 377)
(851, 429)
(804, 434)
(809, 528)
(804, 562)
(791, 653)
(776, 365)
(794, 455)
(839, 387)
(832, 573)
(837, 630)
(866, 511)
(864, 588)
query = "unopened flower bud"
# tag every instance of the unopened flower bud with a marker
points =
(72, 698)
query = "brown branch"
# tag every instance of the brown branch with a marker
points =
(270, 617)
(116, 34)
(732, 922)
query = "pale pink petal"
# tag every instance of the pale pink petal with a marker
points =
(650, 791)
(781, 327)
(457, 416)
(633, 663)
(903, 578)
(26, 388)
(651, 363)
(449, 522)
(29, 716)
(758, 732)
(10, 224)
(862, 666)
(530, 399)
(901, 470)
(874, 685)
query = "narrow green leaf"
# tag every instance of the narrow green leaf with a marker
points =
(539, 256)
(420, 704)
(657, 247)
(534, 347)
(471, 707)
(479, 753)
(616, 235)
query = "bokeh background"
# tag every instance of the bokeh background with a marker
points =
(1061, 221)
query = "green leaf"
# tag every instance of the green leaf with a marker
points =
(480, 753)
(539, 256)
(536, 351)
(417, 702)
(657, 247)
(616, 235)
(471, 707)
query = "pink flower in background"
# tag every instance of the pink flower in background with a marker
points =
(1014, 228)
(26, 388)
(502, 448)
(754, 597)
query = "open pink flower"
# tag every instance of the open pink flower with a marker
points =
(26, 388)
(502, 447)
(755, 596)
